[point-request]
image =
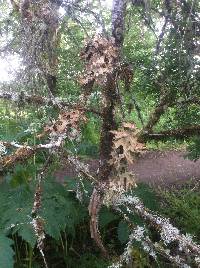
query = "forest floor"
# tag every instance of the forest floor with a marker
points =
(153, 167)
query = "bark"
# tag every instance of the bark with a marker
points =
(167, 101)
(52, 83)
(118, 20)
(24, 152)
(105, 169)
(110, 95)
(108, 124)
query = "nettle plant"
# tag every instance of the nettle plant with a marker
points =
(106, 71)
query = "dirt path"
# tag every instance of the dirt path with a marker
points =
(166, 167)
(155, 167)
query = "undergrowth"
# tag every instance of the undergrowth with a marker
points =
(68, 242)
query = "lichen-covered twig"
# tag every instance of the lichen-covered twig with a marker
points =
(168, 233)
(25, 152)
(37, 222)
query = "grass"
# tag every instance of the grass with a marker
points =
(182, 205)
(170, 144)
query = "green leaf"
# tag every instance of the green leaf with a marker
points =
(147, 194)
(106, 217)
(123, 232)
(27, 234)
(6, 252)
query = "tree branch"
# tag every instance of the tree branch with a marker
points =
(159, 110)
(118, 20)
(166, 101)
(179, 133)
(39, 100)
(193, 100)
(25, 152)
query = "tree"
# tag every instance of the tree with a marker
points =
(168, 72)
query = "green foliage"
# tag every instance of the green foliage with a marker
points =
(182, 206)
(62, 214)
(59, 204)
(194, 149)
(65, 217)
(91, 131)
(60, 210)
(21, 175)
(90, 260)
(147, 195)
(22, 125)
(106, 216)
(123, 232)
(89, 144)
(6, 252)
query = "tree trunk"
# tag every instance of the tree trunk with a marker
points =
(110, 94)
(108, 124)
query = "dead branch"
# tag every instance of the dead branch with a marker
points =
(100, 69)
(25, 152)
(168, 232)
(94, 208)
(58, 132)
(180, 133)
(40, 100)
(22, 97)
(166, 102)
(80, 167)
(138, 234)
